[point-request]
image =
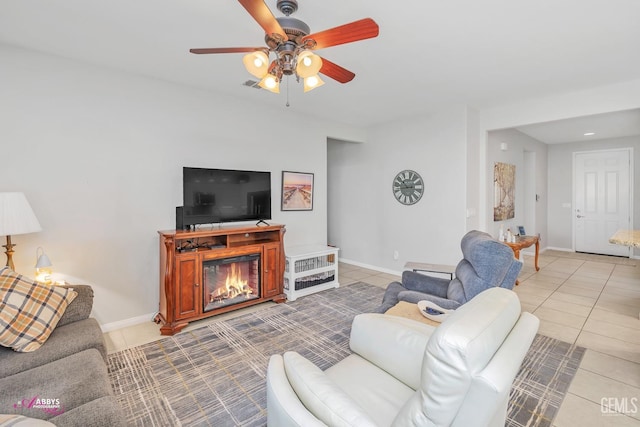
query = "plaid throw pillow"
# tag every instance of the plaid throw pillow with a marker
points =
(29, 311)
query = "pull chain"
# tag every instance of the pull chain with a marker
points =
(287, 91)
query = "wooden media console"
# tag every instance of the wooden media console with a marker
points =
(185, 257)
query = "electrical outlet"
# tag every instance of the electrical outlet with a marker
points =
(396, 255)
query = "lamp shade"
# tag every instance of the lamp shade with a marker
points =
(257, 63)
(270, 83)
(312, 82)
(309, 64)
(16, 215)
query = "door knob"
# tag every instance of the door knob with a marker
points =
(580, 216)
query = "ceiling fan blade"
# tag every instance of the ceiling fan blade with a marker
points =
(348, 33)
(262, 14)
(226, 50)
(336, 72)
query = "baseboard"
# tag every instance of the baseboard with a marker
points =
(108, 327)
(553, 248)
(371, 267)
(571, 250)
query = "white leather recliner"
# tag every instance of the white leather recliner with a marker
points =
(406, 373)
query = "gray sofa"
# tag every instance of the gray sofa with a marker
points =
(69, 370)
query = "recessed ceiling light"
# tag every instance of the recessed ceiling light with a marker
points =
(589, 133)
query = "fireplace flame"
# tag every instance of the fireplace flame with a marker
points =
(234, 286)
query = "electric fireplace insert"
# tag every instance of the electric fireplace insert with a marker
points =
(231, 281)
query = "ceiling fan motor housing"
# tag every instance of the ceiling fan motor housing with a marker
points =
(286, 57)
(293, 28)
(287, 6)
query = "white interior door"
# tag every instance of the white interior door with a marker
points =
(602, 200)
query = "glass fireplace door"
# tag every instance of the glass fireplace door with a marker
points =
(231, 281)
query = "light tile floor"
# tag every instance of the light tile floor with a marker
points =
(589, 300)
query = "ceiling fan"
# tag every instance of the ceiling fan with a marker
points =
(289, 40)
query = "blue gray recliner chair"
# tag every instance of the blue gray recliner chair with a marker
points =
(486, 263)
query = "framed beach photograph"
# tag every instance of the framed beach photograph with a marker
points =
(297, 191)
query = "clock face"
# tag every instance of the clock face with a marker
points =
(408, 187)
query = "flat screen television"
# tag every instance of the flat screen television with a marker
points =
(225, 195)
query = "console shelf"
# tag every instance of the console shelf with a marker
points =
(182, 254)
(310, 269)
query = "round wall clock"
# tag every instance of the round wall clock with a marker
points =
(408, 187)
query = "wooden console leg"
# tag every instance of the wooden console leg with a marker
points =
(280, 299)
(172, 329)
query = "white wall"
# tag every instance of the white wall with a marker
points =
(604, 99)
(561, 192)
(474, 185)
(517, 144)
(365, 220)
(99, 155)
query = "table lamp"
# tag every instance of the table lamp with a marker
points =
(16, 217)
(43, 267)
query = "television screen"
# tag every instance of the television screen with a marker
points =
(222, 195)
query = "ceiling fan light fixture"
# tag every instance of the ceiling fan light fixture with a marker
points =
(308, 64)
(292, 43)
(312, 82)
(270, 83)
(256, 63)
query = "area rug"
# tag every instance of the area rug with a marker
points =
(215, 375)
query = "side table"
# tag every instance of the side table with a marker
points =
(524, 242)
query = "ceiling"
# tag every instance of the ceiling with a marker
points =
(600, 126)
(429, 54)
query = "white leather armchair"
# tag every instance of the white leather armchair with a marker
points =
(405, 373)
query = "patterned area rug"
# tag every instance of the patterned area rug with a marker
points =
(215, 375)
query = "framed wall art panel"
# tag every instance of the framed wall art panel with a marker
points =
(504, 191)
(297, 191)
